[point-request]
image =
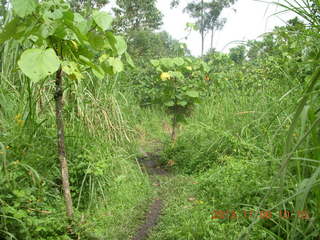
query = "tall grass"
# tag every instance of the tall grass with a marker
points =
(105, 178)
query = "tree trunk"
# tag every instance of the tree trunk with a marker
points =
(61, 144)
(202, 43)
(202, 28)
(212, 32)
(174, 128)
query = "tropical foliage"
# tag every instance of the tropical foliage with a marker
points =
(110, 91)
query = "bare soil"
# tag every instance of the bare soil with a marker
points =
(150, 164)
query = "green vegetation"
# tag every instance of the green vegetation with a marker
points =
(245, 156)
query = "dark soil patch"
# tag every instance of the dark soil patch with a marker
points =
(151, 220)
(151, 165)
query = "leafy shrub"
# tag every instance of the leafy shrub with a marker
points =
(196, 152)
(235, 183)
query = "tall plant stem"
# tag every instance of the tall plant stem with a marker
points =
(61, 144)
(202, 28)
(174, 128)
(212, 35)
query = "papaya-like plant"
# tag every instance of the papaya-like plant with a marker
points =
(59, 42)
(181, 83)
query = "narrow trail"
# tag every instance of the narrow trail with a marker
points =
(153, 168)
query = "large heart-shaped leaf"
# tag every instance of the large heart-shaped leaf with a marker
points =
(103, 20)
(38, 63)
(96, 40)
(24, 7)
(116, 64)
(120, 45)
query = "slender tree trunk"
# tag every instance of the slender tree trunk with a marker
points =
(202, 43)
(61, 144)
(174, 128)
(202, 28)
(212, 34)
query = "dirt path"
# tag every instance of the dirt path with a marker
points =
(152, 167)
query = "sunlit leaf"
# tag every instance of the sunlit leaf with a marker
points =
(71, 69)
(116, 64)
(37, 64)
(98, 72)
(120, 45)
(103, 20)
(24, 7)
(182, 103)
(192, 93)
(169, 104)
(129, 60)
(155, 63)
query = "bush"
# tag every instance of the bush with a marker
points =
(196, 152)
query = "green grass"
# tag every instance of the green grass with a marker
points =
(252, 144)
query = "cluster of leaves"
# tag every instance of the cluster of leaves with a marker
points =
(136, 15)
(54, 40)
(273, 72)
(180, 84)
(146, 45)
(60, 38)
(203, 153)
(275, 59)
(31, 204)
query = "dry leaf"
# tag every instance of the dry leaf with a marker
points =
(170, 163)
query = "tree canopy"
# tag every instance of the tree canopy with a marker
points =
(136, 15)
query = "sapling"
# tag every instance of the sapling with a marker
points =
(180, 86)
(64, 44)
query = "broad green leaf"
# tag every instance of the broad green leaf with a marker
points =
(103, 20)
(205, 66)
(86, 52)
(82, 24)
(169, 104)
(71, 69)
(85, 60)
(111, 39)
(24, 7)
(9, 30)
(81, 37)
(103, 57)
(155, 63)
(177, 75)
(120, 45)
(53, 14)
(178, 61)
(107, 68)
(192, 93)
(129, 60)
(116, 64)
(47, 29)
(168, 63)
(182, 103)
(96, 40)
(98, 71)
(37, 64)
(63, 33)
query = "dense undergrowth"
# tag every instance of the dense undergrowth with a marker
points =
(250, 147)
